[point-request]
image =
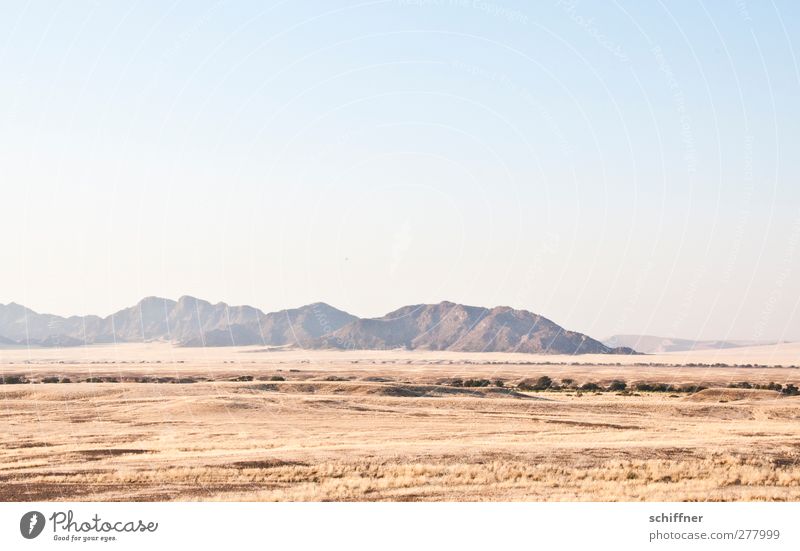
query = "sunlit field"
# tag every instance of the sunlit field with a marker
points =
(154, 422)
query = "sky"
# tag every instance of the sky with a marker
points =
(618, 167)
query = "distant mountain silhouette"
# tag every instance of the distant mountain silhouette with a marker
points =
(190, 321)
(650, 344)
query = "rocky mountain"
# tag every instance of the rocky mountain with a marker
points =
(24, 326)
(649, 344)
(189, 321)
(449, 326)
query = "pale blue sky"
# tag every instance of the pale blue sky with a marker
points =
(620, 167)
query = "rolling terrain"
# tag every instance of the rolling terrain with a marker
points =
(157, 422)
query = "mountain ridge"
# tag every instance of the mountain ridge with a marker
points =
(194, 322)
(458, 327)
(188, 321)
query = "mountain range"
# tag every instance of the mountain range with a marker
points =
(191, 321)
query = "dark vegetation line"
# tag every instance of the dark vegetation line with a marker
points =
(542, 384)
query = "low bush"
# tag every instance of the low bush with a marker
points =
(542, 383)
(617, 386)
(655, 387)
(692, 388)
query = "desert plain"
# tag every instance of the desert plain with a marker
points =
(153, 422)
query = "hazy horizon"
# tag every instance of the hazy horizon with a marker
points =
(618, 169)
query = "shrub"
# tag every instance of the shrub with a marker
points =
(617, 386)
(656, 387)
(499, 383)
(567, 382)
(50, 380)
(542, 383)
(790, 390)
(277, 378)
(476, 382)
(13, 380)
(243, 379)
(590, 387)
(692, 388)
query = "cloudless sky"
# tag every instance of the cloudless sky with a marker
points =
(619, 167)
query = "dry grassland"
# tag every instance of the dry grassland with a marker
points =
(385, 426)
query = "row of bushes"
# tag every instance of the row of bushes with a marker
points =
(475, 383)
(546, 383)
(789, 389)
(745, 384)
(620, 364)
(22, 380)
(543, 383)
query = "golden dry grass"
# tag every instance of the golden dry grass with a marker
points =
(386, 429)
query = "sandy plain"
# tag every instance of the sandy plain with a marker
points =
(254, 424)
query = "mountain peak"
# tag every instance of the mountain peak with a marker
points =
(451, 326)
(189, 298)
